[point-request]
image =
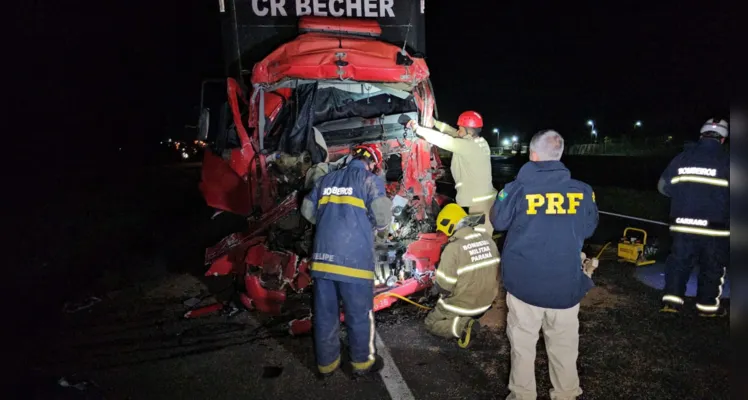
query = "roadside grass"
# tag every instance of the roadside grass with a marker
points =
(649, 204)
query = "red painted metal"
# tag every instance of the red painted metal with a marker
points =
(222, 188)
(338, 26)
(266, 301)
(300, 326)
(241, 183)
(326, 56)
(426, 251)
(199, 312)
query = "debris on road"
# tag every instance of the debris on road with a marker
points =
(74, 307)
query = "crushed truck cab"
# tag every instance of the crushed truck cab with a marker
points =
(336, 84)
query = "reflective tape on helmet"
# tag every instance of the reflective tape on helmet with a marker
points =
(671, 298)
(700, 179)
(699, 231)
(478, 265)
(465, 312)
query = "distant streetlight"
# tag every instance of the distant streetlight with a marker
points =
(591, 124)
(505, 142)
(514, 139)
(638, 124)
(496, 130)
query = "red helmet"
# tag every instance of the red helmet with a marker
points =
(470, 119)
(370, 152)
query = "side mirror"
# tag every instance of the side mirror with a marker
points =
(203, 125)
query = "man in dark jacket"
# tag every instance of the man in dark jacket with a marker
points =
(698, 184)
(348, 206)
(548, 216)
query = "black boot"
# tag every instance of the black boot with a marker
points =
(470, 332)
(375, 367)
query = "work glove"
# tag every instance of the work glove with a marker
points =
(589, 265)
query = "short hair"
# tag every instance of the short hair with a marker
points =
(548, 145)
(472, 131)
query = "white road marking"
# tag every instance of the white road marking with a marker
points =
(393, 380)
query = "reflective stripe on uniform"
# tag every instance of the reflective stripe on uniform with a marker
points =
(478, 265)
(465, 312)
(350, 200)
(714, 308)
(440, 275)
(699, 231)
(484, 198)
(458, 184)
(479, 229)
(341, 270)
(472, 236)
(454, 326)
(671, 298)
(372, 350)
(326, 369)
(700, 179)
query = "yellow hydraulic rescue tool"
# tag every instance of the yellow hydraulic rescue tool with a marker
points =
(634, 249)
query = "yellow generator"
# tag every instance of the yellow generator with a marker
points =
(634, 248)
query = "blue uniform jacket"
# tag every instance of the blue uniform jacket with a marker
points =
(548, 216)
(344, 240)
(698, 183)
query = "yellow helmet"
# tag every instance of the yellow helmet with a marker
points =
(448, 217)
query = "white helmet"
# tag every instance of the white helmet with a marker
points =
(719, 127)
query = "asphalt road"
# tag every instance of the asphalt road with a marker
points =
(131, 241)
(134, 345)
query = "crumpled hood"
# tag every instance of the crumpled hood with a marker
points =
(543, 173)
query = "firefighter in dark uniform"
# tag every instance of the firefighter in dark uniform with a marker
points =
(698, 184)
(349, 206)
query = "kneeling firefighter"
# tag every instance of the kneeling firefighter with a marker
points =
(347, 206)
(467, 277)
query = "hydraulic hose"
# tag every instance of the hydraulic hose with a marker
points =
(406, 300)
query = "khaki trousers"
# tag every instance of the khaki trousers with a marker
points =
(561, 334)
(483, 207)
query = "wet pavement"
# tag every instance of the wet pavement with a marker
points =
(137, 249)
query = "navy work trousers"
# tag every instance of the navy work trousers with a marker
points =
(711, 254)
(358, 302)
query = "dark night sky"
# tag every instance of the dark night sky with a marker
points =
(128, 73)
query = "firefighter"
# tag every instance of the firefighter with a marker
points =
(548, 216)
(347, 206)
(471, 162)
(698, 184)
(467, 276)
